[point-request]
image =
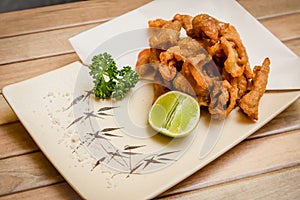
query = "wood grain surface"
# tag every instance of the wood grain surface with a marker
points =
(35, 41)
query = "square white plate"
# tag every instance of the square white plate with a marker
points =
(258, 40)
(105, 149)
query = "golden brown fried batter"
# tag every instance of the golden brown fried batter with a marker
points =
(249, 102)
(185, 21)
(205, 26)
(222, 41)
(231, 63)
(166, 33)
(243, 85)
(219, 97)
(229, 33)
(211, 64)
(144, 67)
(142, 63)
(168, 71)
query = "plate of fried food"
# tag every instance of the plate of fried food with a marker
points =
(211, 63)
(93, 121)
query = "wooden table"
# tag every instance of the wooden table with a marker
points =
(35, 41)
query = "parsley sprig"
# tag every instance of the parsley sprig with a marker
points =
(108, 79)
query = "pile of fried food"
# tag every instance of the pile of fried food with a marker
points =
(210, 63)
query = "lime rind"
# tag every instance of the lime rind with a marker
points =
(174, 114)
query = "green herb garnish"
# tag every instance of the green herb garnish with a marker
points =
(108, 80)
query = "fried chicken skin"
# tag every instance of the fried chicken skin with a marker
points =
(210, 63)
(250, 102)
(166, 33)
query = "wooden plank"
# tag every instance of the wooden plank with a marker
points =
(286, 30)
(26, 172)
(15, 72)
(43, 44)
(51, 192)
(294, 45)
(249, 158)
(7, 114)
(280, 185)
(73, 14)
(265, 9)
(39, 45)
(15, 141)
(33, 20)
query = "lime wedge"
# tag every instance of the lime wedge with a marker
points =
(174, 114)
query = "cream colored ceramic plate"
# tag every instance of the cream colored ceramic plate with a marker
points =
(105, 149)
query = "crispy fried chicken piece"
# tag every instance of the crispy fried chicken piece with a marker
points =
(166, 33)
(242, 85)
(221, 41)
(196, 78)
(205, 26)
(231, 64)
(229, 33)
(232, 88)
(186, 22)
(148, 63)
(189, 48)
(186, 50)
(185, 82)
(249, 102)
(154, 57)
(211, 65)
(219, 97)
(223, 96)
(168, 72)
(142, 64)
(144, 67)
(157, 23)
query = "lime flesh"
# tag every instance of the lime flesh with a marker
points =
(174, 114)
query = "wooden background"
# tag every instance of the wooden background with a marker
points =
(35, 41)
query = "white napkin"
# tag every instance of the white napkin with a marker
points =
(259, 42)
